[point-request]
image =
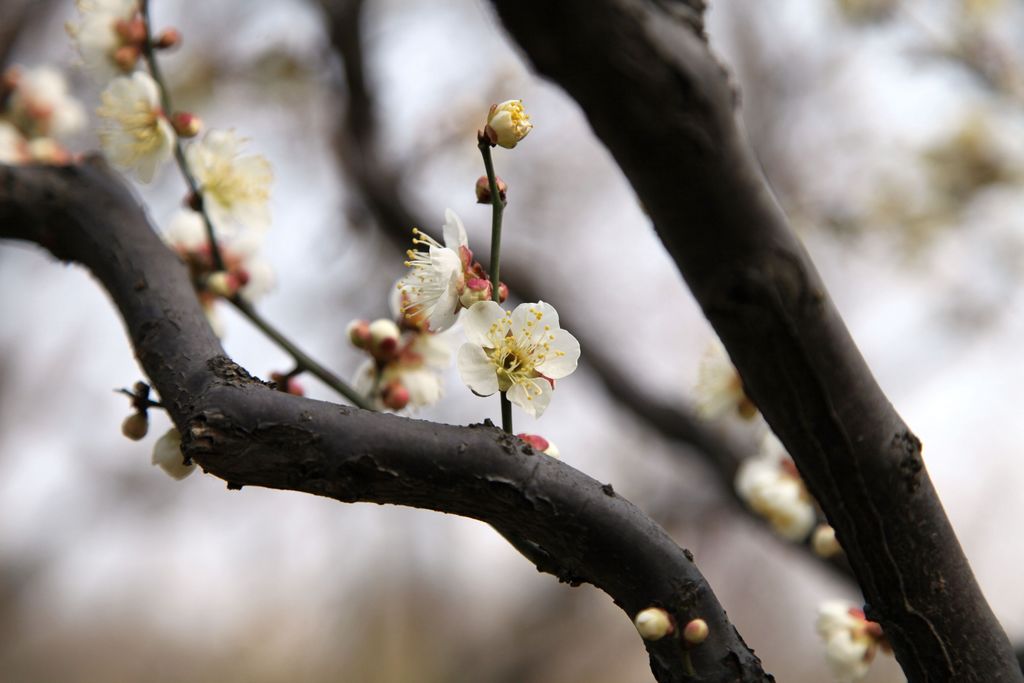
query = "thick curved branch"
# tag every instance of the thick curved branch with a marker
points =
(238, 429)
(645, 77)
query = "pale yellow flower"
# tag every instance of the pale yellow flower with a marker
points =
(235, 186)
(509, 122)
(136, 135)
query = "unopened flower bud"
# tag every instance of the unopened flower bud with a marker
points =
(126, 57)
(221, 284)
(186, 125)
(287, 384)
(135, 426)
(395, 395)
(483, 189)
(507, 123)
(168, 38)
(168, 456)
(695, 632)
(359, 334)
(476, 290)
(131, 31)
(502, 292)
(824, 541)
(48, 151)
(654, 623)
(539, 443)
(384, 336)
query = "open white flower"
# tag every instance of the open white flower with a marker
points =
(41, 106)
(719, 387)
(771, 486)
(102, 33)
(411, 377)
(851, 641)
(137, 135)
(236, 186)
(168, 456)
(432, 287)
(521, 353)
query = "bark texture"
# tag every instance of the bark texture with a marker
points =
(644, 75)
(237, 428)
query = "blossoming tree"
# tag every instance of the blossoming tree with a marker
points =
(839, 470)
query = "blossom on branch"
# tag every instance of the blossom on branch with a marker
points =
(235, 186)
(851, 641)
(108, 37)
(137, 135)
(719, 387)
(444, 279)
(167, 455)
(772, 487)
(521, 353)
(39, 103)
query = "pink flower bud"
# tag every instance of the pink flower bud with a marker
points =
(359, 334)
(126, 57)
(483, 190)
(185, 124)
(502, 293)
(132, 31)
(168, 38)
(287, 384)
(696, 632)
(539, 443)
(384, 335)
(395, 395)
(476, 290)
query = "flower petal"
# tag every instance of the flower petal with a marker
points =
(476, 370)
(424, 387)
(454, 231)
(562, 356)
(532, 396)
(529, 320)
(485, 322)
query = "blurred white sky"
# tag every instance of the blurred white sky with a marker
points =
(103, 531)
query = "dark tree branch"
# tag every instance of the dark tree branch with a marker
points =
(658, 98)
(240, 430)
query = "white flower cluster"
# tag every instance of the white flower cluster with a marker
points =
(36, 110)
(771, 486)
(851, 641)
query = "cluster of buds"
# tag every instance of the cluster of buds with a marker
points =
(244, 273)
(655, 623)
(405, 360)
(111, 36)
(35, 110)
(851, 640)
(771, 485)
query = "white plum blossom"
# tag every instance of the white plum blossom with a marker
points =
(509, 123)
(719, 387)
(411, 376)
(168, 456)
(41, 106)
(235, 186)
(437, 278)
(104, 36)
(520, 353)
(851, 641)
(137, 135)
(13, 149)
(771, 486)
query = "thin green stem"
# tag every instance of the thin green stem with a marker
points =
(303, 362)
(179, 153)
(497, 208)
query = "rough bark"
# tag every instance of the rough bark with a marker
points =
(643, 73)
(238, 429)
